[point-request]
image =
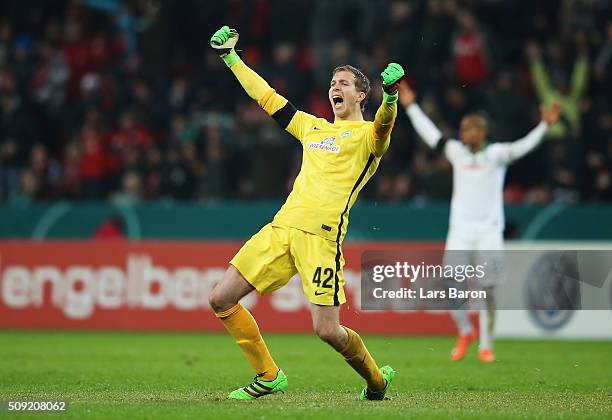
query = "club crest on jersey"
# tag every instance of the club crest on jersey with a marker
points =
(328, 144)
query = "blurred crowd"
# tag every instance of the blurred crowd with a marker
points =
(124, 100)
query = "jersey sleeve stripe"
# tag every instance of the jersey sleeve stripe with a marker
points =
(284, 115)
(440, 145)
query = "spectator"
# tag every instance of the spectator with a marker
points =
(131, 189)
(111, 229)
(559, 89)
(52, 74)
(70, 183)
(120, 90)
(563, 164)
(432, 53)
(47, 171)
(9, 167)
(94, 155)
(469, 49)
(183, 131)
(152, 173)
(176, 179)
(28, 192)
(131, 137)
(603, 63)
(180, 95)
(147, 108)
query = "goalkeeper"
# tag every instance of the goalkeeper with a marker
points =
(306, 234)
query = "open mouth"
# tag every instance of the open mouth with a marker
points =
(338, 101)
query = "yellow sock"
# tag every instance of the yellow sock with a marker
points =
(356, 354)
(239, 322)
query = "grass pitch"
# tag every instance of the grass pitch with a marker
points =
(180, 376)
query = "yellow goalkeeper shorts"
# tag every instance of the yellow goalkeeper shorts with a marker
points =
(274, 254)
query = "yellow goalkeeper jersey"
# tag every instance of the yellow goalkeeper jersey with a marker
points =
(338, 159)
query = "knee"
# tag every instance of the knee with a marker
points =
(229, 291)
(327, 332)
(219, 300)
(215, 300)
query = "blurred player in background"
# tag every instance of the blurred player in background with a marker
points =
(306, 234)
(477, 211)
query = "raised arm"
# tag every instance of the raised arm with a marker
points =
(519, 148)
(425, 128)
(580, 77)
(279, 108)
(538, 73)
(387, 111)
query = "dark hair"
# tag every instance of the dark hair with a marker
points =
(361, 81)
(482, 115)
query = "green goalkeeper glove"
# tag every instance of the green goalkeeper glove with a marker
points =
(223, 41)
(391, 77)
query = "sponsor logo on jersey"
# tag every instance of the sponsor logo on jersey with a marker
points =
(328, 144)
(346, 134)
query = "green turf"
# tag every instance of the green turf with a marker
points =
(175, 376)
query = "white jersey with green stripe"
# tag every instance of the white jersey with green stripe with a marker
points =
(478, 177)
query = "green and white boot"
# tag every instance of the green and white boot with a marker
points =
(388, 373)
(259, 388)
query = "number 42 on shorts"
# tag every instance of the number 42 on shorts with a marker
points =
(328, 275)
